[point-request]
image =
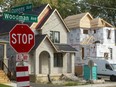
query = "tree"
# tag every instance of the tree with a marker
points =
(65, 7)
(105, 9)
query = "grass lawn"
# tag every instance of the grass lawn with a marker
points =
(1, 85)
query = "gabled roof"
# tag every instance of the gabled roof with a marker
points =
(88, 40)
(74, 21)
(43, 16)
(39, 26)
(58, 47)
(6, 26)
(49, 15)
(39, 39)
(65, 48)
(98, 22)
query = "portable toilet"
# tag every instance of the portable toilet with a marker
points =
(90, 73)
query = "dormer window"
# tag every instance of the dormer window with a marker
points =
(85, 31)
(108, 34)
(55, 36)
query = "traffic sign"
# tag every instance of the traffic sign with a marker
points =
(22, 74)
(20, 17)
(22, 38)
(22, 57)
(21, 8)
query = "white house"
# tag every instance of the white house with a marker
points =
(104, 40)
(93, 38)
(51, 54)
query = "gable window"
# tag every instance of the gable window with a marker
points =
(108, 34)
(58, 60)
(55, 36)
(85, 31)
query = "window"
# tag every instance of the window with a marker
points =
(109, 34)
(113, 66)
(108, 67)
(106, 55)
(58, 60)
(85, 31)
(94, 31)
(55, 36)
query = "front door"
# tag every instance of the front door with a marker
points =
(44, 63)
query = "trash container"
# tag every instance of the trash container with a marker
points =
(87, 72)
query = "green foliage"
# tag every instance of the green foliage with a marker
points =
(105, 9)
(71, 84)
(65, 7)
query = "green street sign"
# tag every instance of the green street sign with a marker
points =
(19, 17)
(21, 8)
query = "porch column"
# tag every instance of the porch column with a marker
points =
(36, 65)
(51, 64)
(5, 60)
(65, 63)
(73, 62)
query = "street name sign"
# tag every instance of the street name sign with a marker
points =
(22, 38)
(22, 8)
(19, 17)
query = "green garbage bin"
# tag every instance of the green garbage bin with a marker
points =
(87, 72)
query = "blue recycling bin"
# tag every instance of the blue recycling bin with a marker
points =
(87, 72)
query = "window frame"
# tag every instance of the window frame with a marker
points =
(108, 66)
(53, 35)
(85, 31)
(94, 31)
(58, 60)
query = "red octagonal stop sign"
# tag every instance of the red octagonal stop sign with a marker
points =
(22, 38)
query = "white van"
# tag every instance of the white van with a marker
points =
(105, 68)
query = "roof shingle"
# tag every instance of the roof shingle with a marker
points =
(65, 48)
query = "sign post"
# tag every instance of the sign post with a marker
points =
(22, 40)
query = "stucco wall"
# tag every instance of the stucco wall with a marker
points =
(46, 46)
(54, 23)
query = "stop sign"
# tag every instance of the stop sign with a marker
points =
(22, 38)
